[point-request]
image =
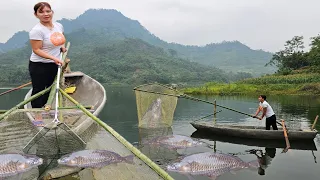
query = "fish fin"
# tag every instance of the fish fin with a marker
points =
(129, 159)
(190, 177)
(20, 176)
(233, 172)
(253, 164)
(100, 165)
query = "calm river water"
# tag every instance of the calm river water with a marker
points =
(120, 113)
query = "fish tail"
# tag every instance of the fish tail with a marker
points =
(129, 159)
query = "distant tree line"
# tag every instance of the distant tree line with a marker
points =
(293, 57)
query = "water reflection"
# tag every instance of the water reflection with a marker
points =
(264, 158)
(159, 154)
(120, 113)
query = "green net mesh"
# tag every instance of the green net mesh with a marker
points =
(49, 140)
(17, 131)
(156, 104)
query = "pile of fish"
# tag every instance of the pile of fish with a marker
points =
(174, 142)
(210, 164)
(93, 158)
(14, 164)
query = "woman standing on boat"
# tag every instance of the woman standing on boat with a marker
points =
(267, 111)
(45, 57)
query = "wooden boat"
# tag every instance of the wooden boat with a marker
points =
(89, 92)
(253, 132)
(308, 144)
(16, 132)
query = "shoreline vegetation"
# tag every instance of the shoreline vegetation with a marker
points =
(246, 89)
(298, 74)
(303, 81)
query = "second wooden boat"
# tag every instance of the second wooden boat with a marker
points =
(253, 132)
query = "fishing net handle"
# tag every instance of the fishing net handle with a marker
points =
(57, 92)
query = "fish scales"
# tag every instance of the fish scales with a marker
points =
(12, 164)
(174, 141)
(93, 158)
(208, 163)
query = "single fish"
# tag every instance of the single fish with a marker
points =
(210, 164)
(13, 164)
(175, 141)
(152, 117)
(93, 158)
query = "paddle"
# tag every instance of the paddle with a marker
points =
(315, 122)
(285, 136)
(13, 89)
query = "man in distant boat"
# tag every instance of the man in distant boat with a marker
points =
(267, 112)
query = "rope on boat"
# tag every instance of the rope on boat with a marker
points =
(129, 146)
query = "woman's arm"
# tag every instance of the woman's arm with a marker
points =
(63, 47)
(36, 47)
(258, 111)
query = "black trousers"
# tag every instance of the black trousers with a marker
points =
(271, 121)
(42, 76)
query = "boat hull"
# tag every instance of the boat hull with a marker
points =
(89, 92)
(253, 132)
(267, 143)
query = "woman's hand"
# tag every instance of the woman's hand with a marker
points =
(63, 49)
(58, 61)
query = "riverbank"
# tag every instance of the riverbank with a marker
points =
(254, 89)
(305, 81)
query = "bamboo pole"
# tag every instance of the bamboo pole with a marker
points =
(201, 100)
(65, 60)
(215, 111)
(60, 105)
(196, 99)
(60, 108)
(315, 122)
(314, 157)
(13, 89)
(285, 135)
(35, 96)
(134, 150)
(47, 106)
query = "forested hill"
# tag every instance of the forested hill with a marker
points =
(128, 61)
(18, 40)
(233, 56)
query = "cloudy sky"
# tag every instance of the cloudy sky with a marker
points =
(260, 24)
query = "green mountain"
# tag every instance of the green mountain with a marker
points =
(231, 56)
(18, 40)
(127, 61)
